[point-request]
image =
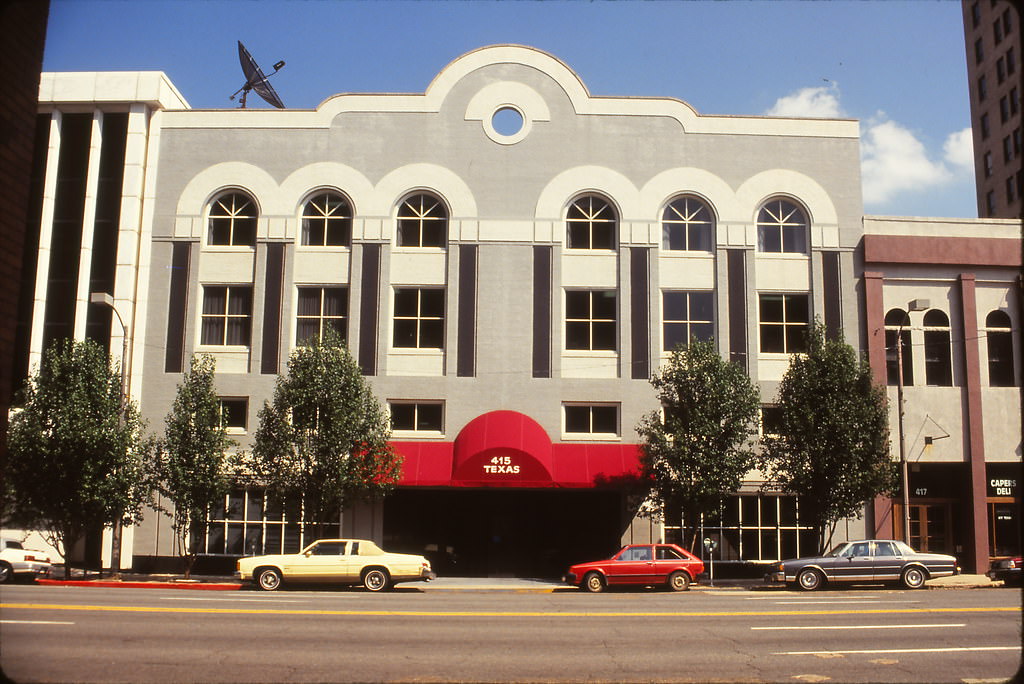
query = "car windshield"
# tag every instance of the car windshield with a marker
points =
(836, 550)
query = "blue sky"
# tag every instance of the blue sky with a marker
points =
(899, 67)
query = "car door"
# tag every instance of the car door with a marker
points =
(634, 565)
(326, 562)
(888, 561)
(666, 561)
(854, 564)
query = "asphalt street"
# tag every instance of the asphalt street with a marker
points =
(60, 633)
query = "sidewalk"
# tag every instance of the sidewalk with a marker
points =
(129, 580)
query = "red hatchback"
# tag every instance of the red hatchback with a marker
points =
(639, 565)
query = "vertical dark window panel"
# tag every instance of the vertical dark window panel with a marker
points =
(105, 227)
(641, 326)
(833, 295)
(174, 348)
(272, 298)
(68, 210)
(30, 253)
(369, 304)
(737, 275)
(541, 312)
(466, 362)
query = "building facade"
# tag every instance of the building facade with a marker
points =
(992, 39)
(509, 259)
(948, 292)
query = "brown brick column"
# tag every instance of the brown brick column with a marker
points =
(881, 523)
(973, 428)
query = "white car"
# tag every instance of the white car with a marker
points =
(339, 561)
(16, 560)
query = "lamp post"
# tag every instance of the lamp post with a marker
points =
(915, 305)
(106, 299)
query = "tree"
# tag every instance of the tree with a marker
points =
(832, 447)
(323, 441)
(699, 446)
(192, 467)
(76, 454)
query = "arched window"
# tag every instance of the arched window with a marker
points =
(782, 227)
(897, 324)
(1000, 349)
(422, 222)
(687, 224)
(591, 223)
(938, 368)
(232, 220)
(327, 220)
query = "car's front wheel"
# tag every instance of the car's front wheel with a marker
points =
(268, 579)
(593, 582)
(809, 579)
(6, 572)
(376, 579)
(913, 578)
(679, 581)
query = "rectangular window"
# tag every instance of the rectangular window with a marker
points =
(975, 15)
(227, 315)
(784, 322)
(249, 522)
(419, 318)
(592, 419)
(1007, 23)
(320, 309)
(982, 88)
(427, 416)
(590, 317)
(988, 164)
(771, 421)
(1004, 109)
(990, 202)
(686, 316)
(1014, 101)
(1011, 61)
(758, 527)
(997, 31)
(1007, 149)
(1000, 70)
(234, 413)
(979, 52)
(1011, 191)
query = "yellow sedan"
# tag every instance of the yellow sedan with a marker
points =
(338, 561)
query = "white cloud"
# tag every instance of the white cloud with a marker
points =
(959, 149)
(894, 161)
(821, 102)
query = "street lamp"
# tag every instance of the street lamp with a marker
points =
(914, 305)
(106, 299)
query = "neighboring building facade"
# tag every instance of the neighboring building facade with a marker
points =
(509, 259)
(992, 33)
(950, 289)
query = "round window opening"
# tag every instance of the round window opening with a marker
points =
(507, 121)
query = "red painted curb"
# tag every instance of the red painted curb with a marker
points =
(207, 586)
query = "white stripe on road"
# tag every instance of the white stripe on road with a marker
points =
(807, 603)
(905, 650)
(233, 600)
(797, 597)
(959, 624)
(34, 622)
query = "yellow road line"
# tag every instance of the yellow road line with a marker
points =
(448, 613)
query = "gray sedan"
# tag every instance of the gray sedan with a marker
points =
(870, 560)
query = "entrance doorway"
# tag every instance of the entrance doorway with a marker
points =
(504, 532)
(931, 527)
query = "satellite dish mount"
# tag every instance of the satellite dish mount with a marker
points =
(256, 80)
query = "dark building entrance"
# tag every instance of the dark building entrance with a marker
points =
(504, 532)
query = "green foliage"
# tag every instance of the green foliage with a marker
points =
(697, 452)
(76, 455)
(833, 446)
(192, 467)
(323, 441)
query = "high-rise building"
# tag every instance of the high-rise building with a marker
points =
(992, 39)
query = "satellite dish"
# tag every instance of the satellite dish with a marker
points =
(256, 80)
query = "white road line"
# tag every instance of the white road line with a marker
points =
(797, 598)
(858, 601)
(232, 600)
(961, 649)
(959, 624)
(34, 622)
